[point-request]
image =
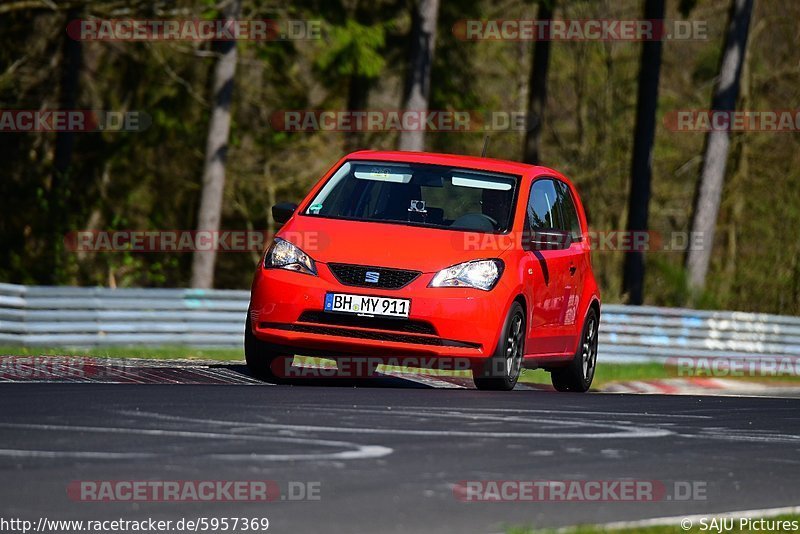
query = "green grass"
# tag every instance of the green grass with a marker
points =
(669, 529)
(609, 372)
(624, 372)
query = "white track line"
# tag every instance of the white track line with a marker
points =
(352, 451)
(623, 430)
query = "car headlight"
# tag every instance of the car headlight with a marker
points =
(480, 274)
(284, 255)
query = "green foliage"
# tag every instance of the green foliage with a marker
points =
(353, 49)
(151, 180)
(669, 285)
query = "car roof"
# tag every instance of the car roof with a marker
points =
(472, 162)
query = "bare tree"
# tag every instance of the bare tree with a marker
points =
(537, 89)
(418, 84)
(709, 191)
(210, 211)
(642, 161)
(58, 199)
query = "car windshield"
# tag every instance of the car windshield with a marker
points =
(418, 194)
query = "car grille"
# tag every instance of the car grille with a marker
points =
(367, 334)
(356, 275)
(374, 323)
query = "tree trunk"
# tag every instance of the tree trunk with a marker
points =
(418, 85)
(58, 201)
(709, 192)
(642, 162)
(210, 211)
(357, 98)
(537, 93)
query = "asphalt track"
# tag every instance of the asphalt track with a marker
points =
(388, 454)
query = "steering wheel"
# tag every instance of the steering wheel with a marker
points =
(476, 222)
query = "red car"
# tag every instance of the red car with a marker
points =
(433, 258)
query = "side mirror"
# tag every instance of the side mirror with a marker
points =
(550, 240)
(283, 211)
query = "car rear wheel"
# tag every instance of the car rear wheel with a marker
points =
(257, 354)
(578, 375)
(501, 371)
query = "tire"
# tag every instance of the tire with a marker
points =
(578, 375)
(502, 370)
(257, 355)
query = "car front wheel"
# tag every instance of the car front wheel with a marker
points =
(578, 375)
(501, 371)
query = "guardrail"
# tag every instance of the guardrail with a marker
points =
(90, 317)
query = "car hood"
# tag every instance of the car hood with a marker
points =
(390, 245)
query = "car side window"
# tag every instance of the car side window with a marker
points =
(542, 212)
(568, 211)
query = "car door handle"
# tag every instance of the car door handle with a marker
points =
(572, 270)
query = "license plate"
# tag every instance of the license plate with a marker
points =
(365, 305)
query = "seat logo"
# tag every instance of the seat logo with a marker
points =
(372, 277)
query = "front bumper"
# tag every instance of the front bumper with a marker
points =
(286, 311)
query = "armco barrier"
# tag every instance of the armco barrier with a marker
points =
(89, 317)
(86, 317)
